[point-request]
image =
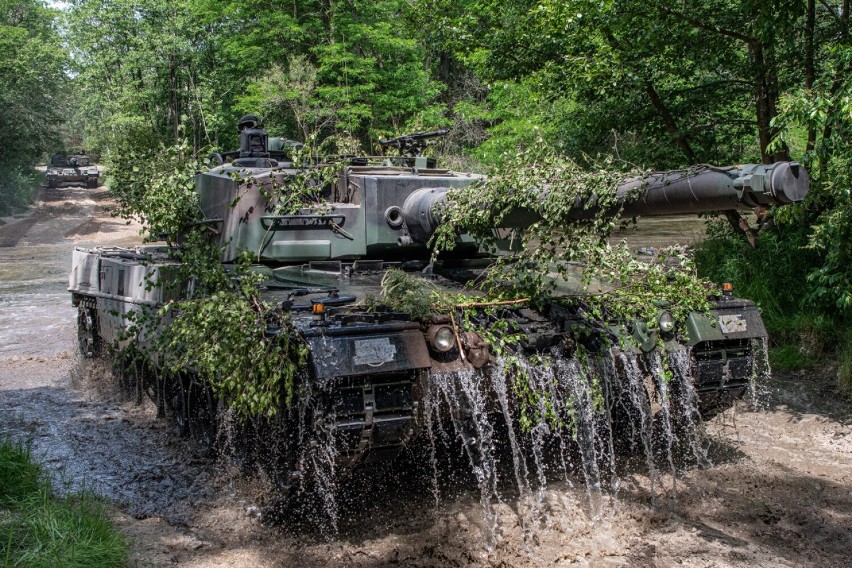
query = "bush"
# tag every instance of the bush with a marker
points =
(17, 189)
(789, 358)
(774, 275)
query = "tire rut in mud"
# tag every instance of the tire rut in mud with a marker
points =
(12, 233)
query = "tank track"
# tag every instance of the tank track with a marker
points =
(88, 340)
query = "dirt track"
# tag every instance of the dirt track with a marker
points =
(779, 492)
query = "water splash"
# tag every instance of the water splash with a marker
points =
(639, 430)
(463, 394)
(522, 427)
(566, 419)
(690, 434)
(761, 371)
(293, 454)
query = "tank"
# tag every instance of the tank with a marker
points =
(376, 377)
(73, 169)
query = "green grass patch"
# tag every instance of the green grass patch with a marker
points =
(789, 358)
(39, 529)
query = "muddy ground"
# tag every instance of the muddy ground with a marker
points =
(778, 492)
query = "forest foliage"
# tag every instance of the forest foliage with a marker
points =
(651, 84)
(33, 81)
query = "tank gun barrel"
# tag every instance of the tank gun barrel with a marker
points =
(711, 188)
(696, 190)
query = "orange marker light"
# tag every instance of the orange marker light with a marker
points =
(727, 287)
(318, 308)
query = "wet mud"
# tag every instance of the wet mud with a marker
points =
(777, 490)
(115, 449)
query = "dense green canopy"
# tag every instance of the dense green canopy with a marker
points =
(33, 65)
(657, 84)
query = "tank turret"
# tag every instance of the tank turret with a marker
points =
(390, 211)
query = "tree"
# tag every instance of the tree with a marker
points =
(156, 71)
(32, 82)
(140, 66)
(702, 78)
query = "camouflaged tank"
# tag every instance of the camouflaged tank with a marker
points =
(74, 169)
(371, 371)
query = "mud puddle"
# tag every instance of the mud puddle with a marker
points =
(35, 307)
(118, 450)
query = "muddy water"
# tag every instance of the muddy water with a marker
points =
(114, 448)
(662, 231)
(34, 306)
(77, 423)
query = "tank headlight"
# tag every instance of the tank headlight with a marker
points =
(666, 322)
(441, 338)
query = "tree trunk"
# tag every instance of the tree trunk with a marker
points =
(810, 72)
(772, 96)
(174, 110)
(669, 121)
(444, 71)
(765, 95)
(756, 51)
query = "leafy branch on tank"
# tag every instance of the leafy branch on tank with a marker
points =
(640, 289)
(221, 306)
(240, 346)
(549, 188)
(487, 318)
(638, 294)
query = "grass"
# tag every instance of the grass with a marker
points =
(39, 529)
(789, 358)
